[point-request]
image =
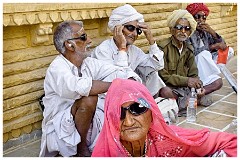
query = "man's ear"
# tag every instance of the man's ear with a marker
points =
(69, 45)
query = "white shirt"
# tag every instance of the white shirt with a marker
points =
(62, 87)
(145, 65)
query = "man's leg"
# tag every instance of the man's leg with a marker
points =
(83, 111)
(166, 92)
(216, 85)
(207, 100)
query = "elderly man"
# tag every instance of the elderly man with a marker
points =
(206, 43)
(72, 84)
(126, 25)
(180, 71)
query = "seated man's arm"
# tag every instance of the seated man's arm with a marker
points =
(221, 45)
(156, 56)
(99, 87)
(68, 84)
(106, 53)
(103, 73)
(173, 79)
(216, 42)
(170, 78)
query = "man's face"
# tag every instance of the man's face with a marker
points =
(82, 41)
(130, 32)
(200, 17)
(181, 30)
(134, 127)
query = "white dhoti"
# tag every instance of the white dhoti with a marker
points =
(62, 136)
(207, 68)
(96, 125)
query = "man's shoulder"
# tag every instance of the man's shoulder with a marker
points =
(105, 43)
(163, 43)
(189, 46)
(57, 60)
(58, 64)
(104, 46)
(92, 61)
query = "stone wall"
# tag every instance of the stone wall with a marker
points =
(28, 49)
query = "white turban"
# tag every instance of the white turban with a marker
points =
(122, 15)
(177, 14)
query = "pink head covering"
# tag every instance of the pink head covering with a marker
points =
(194, 8)
(161, 137)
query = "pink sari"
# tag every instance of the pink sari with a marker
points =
(162, 140)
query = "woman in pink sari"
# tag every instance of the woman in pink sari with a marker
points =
(134, 126)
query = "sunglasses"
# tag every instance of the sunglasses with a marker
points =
(83, 37)
(198, 16)
(131, 28)
(180, 27)
(135, 109)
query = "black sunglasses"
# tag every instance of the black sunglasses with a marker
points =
(131, 28)
(198, 16)
(83, 37)
(180, 27)
(135, 109)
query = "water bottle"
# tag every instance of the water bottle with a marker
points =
(192, 106)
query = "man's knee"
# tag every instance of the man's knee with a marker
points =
(219, 83)
(166, 92)
(85, 104)
(216, 85)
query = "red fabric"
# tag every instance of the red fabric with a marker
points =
(194, 8)
(222, 56)
(163, 140)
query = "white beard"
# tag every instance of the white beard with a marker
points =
(182, 39)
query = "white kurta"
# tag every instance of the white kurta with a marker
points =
(145, 65)
(62, 87)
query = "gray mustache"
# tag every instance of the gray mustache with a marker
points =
(185, 34)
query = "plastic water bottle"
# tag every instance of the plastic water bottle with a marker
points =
(192, 106)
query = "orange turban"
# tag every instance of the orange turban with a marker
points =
(194, 8)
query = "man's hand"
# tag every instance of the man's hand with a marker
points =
(147, 32)
(119, 38)
(222, 45)
(201, 92)
(205, 27)
(194, 82)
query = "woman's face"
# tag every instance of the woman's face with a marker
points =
(134, 128)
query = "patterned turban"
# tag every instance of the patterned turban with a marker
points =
(122, 15)
(177, 14)
(194, 8)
